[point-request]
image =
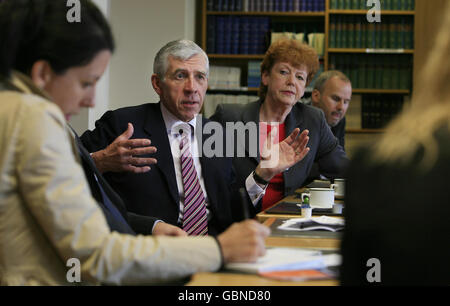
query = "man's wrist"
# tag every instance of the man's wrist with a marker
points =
(258, 179)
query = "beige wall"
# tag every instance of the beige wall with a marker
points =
(141, 28)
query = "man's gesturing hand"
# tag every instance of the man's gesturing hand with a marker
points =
(122, 154)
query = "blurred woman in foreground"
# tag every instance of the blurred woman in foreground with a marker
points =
(397, 200)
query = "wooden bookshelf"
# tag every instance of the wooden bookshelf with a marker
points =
(271, 14)
(370, 51)
(364, 12)
(324, 19)
(380, 91)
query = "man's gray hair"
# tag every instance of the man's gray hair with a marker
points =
(325, 76)
(181, 49)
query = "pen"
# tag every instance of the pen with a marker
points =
(244, 203)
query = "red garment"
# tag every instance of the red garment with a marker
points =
(275, 190)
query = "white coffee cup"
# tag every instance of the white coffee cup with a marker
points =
(320, 197)
(339, 187)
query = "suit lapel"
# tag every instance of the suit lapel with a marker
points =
(251, 114)
(293, 120)
(156, 129)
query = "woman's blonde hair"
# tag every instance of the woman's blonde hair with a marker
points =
(428, 111)
(291, 51)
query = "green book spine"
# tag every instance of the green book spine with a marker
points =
(357, 31)
(333, 4)
(384, 35)
(408, 36)
(364, 35)
(332, 33)
(350, 33)
(379, 69)
(361, 74)
(395, 76)
(392, 34)
(387, 73)
(377, 35)
(347, 4)
(355, 4)
(339, 4)
(344, 35)
(338, 32)
(400, 4)
(369, 75)
(388, 4)
(354, 74)
(370, 36)
(401, 34)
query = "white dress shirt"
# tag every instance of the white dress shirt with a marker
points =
(173, 126)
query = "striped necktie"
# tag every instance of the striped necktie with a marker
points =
(195, 221)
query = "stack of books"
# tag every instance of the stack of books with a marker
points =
(237, 34)
(347, 31)
(379, 110)
(254, 74)
(224, 77)
(266, 5)
(375, 71)
(401, 5)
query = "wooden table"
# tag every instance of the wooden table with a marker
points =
(275, 240)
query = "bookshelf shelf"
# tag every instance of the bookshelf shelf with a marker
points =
(364, 12)
(272, 14)
(373, 55)
(370, 51)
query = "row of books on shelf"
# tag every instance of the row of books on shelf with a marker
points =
(266, 5)
(315, 40)
(237, 34)
(377, 111)
(355, 32)
(254, 74)
(375, 71)
(401, 5)
(224, 77)
(212, 100)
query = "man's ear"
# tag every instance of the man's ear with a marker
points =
(156, 83)
(41, 73)
(315, 96)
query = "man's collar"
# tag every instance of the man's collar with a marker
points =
(171, 121)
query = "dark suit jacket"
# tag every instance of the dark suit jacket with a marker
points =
(339, 132)
(155, 193)
(139, 224)
(398, 213)
(324, 148)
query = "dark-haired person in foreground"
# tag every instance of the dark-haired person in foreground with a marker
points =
(47, 213)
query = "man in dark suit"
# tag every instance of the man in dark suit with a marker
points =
(180, 79)
(332, 93)
(113, 207)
